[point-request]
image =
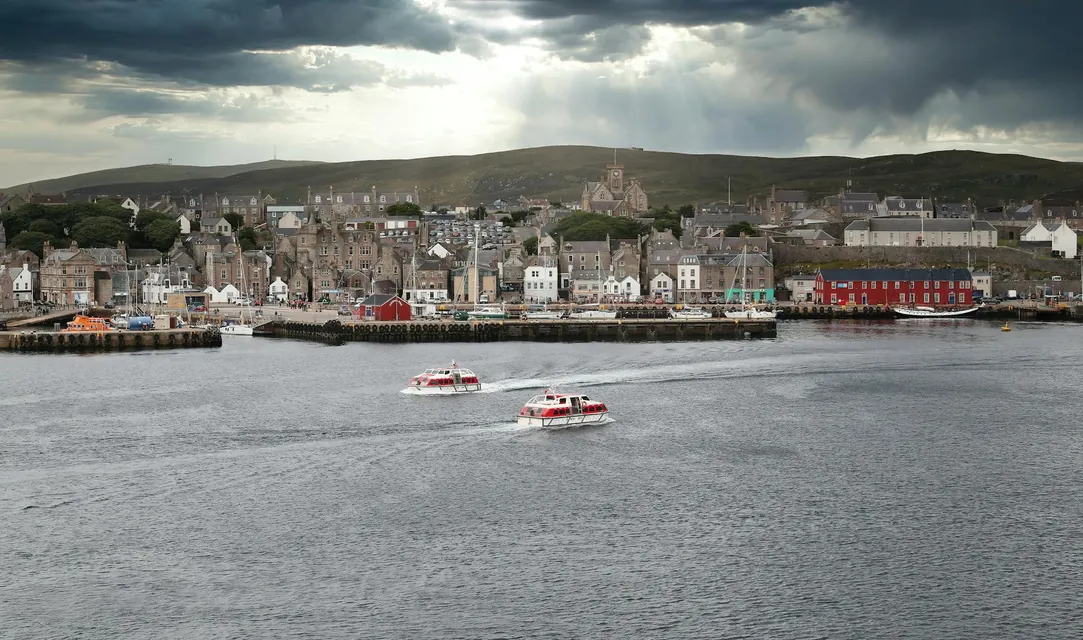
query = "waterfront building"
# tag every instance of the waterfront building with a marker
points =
(1060, 239)
(888, 286)
(278, 290)
(384, 308)
(540, 280)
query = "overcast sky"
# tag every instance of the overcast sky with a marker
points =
(91, 84)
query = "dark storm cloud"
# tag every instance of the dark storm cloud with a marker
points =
(216, 42)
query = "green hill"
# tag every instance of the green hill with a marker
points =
(670, 178)
(148, 174)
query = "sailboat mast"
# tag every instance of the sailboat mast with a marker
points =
(477, 232)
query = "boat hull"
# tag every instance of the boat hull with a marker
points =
(235, 330)
(443, 390)
(562, 422)
(751, 315)
(921, 313)
(542, 315)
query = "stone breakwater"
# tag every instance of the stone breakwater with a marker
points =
(615, 330)
(80, 342)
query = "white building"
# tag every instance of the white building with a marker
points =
(662, 288)
(156, 287)
(920, 232)
(438, 250)
(278, 290)
(1062, 239)
(802, 287)
(540, 279)
(22, 283)
(688, 278)
(226, 295)
(285, 216)
(982, 283)
(626, 290)
(185, 224)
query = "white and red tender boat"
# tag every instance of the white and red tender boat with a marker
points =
(444, 381)
(553, 410)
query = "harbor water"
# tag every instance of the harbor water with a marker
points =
(911, 479)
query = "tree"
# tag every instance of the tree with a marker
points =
(479, 213)
(160, 234)
(687, 211)
(248, 239)
(596, 226)
(508, 221)
(235, 220)
(738, 228)
(145, 217)
(30, 241)
(530, 246)
(99, 231)
(48, 227)
(404, 209)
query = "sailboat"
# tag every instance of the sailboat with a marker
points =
(241, 328)
(747, 312)
(488, 312)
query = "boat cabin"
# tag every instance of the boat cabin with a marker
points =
(443, 377)
(552, 405)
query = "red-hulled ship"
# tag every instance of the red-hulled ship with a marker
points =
(553, 410)
(447, 381)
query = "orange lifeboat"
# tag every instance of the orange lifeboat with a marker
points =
(89, 324)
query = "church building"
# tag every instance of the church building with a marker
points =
(612, 196)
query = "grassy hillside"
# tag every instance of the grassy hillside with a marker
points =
(669, 178)
(149, 174)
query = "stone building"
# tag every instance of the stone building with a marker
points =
(613, 196)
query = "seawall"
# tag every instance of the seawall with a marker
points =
(82, 342)
(616, 330)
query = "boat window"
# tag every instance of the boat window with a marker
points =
(563, 400)
(586, 399)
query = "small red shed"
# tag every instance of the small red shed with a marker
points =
(384, 308)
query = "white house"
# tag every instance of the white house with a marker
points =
(226, 295)
(688, 278)
(1061, 238)
(156, 288)
(278, 290)
(540, 279)
(22, 285)
(662, 287)
(130, 205)
(220, 226)
(289, 220)
(185, 224)
(627, 290)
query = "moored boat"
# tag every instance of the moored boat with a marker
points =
(930, 312)
(487, 313)
(751, 313)
(444, 381)
(689, 313)
(592, 312)
(90, 324)
(552, 410)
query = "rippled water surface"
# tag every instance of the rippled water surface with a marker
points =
(907, 480)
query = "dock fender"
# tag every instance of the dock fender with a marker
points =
(157, 340)
(172, 340)
(82, 339)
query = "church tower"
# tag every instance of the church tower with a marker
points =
(615, 178)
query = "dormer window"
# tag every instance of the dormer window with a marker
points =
(383, 198)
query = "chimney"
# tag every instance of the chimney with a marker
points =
(46, 249)
(74, 245)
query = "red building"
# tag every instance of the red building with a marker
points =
(384, 308)
(894, 287)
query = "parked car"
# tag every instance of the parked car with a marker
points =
(344, 311)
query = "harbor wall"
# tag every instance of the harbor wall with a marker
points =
(617, 330)
(82, 342)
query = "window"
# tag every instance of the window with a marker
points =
(937, 284)
(936, 297)
(926, 298)
(383, 198)
(873, 284)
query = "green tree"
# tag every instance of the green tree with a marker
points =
(404, 209)
(235, 220)
(30, 241)
(248, 239)
(145, 217)
(479, 214)
(530, 246)
(687, 211)
(737, 228)
(42, 225)
(596, 226)
(508, 221)
(160, 234)
(99, 231)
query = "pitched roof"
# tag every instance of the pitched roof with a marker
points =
(378, 300)
(913, 224)
(885, 273)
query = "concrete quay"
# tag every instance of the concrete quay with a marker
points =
(85, 341)
(616, 330)
(1016, 310)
